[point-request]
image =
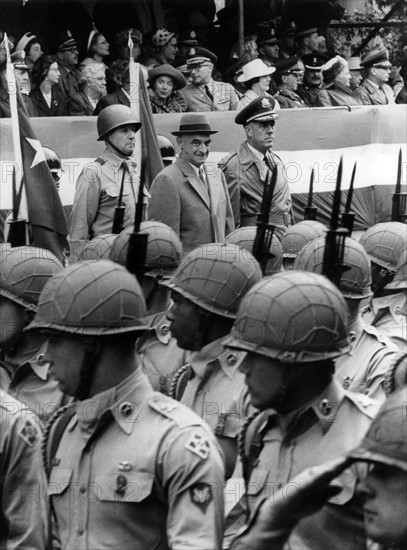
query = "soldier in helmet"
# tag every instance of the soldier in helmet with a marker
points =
(98, 248)
(111, 179)
(386, 245)
(207, 288)
(26, 375)
(381, 491)
(157, 349)
(296, 237)
(292, 326)
(167, 149)
(363, 368)
(128, 466)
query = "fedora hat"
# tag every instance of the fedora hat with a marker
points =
(167, 70)
(194, 123)
(255, 69)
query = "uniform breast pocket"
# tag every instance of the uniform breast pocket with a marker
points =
(59, 481)
(257, 488)
(123, 487)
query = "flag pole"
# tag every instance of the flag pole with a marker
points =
(12, 91)
(134, 75)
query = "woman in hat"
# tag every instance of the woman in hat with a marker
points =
(97, 50)
(336, 90)
(165, 48)
(93, 87)
(32, 47)
(47, 97)
(256, 79)
(164, 82)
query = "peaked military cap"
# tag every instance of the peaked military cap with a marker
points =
(374, 58)
(267, 35)
(260, 109)
(188, 37)
(65, 41)
(301, 33)
(314, 60)
(18, 60)
(200, 55)
(285, 65)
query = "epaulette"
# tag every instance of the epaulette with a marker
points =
(100, 161)
(173, 410)
(377, 335)
(364, 403)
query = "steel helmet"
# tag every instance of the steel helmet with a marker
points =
(386, 244)
(167, 149)
(356, 277)
(299, 235)
(98, 248)
(24, 270)
(215, 277)
(164, 249)
(114, 116)
(386, 439)
(244, 237)
(400, 278)
(293, 317)
(93, 298)
(52, 159)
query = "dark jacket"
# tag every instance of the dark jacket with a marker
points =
(58, 102)
(79, 105)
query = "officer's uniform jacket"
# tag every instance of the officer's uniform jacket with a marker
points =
(388, 314)
(136, 469)
(158, 352)
(225, 97)
(329, 426)
(196, 214)
(288, 99)
(371, 94)
(215, 389)
(308, 94)
(96, 197)
(23, 498)
(245, 175)
(31, 382)
(364, 367)
(336, 95)
(68, 81)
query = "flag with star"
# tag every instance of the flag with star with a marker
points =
(45, 211)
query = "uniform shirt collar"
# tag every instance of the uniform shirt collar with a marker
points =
(33, 359)
(117, 161)
(215, 354)
(256, 152)
(159, 324)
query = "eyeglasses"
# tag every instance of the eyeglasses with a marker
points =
(383, 67)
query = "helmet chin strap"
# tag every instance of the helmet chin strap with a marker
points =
(118, 151)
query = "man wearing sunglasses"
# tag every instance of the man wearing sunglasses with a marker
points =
(374, 89)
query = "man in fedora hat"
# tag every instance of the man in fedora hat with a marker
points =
(204, 93)
(374, 89)
(247, 169)
(191, 196)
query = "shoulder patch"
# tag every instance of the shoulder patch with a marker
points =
(199, 445)
(201, 495)
(175, 411)
(29, 433)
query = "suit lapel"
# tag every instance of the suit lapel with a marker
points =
(193, 180)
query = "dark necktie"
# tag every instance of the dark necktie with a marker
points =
(266, 160)
(208, 93)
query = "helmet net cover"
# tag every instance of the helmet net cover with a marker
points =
(24, 270)
(98, 248)
(91, 298)
(386, 244)
(292, 317)
(164, 248)
(299, 235)
(245, 236)
(386, 439)
(356, 278)
(215, 277)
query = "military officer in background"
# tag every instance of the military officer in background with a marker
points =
(207, 289)
(204, 93)
(128, 466)
(67, 55)
(292, 326)
(24, 270)
(23, 486)
(374, 89)
(364, 367)
(247, 169)
(312, 82)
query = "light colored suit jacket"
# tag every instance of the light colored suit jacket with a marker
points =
(225, 97)
(180, 200)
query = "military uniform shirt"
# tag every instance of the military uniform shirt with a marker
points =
(388, 314)
(372, 94)
(136, 469)
(224, 97)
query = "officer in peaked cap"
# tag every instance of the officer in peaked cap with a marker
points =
(248, 168)
(267, 43)
(21, 71)
(374, 89)
(204, 93)
(306, 40)
(312, 82)
(286, 78)
(67, 54)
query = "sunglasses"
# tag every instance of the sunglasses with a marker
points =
(383, 67)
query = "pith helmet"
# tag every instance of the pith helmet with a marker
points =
(91, 298)
(114, 116)
(24, 270)
(386, 243)
(294, 317)
(356, 278)
(215, 277)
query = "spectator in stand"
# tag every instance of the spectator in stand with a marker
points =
(355, 69)
(165, 81)
(186, 40)
(256, 78)
(286, 43)
(97, 50)
(47, 97)
(93, 88)
(287, 81)
(401, 97)
(267, 44)
(336, 90)
(206, 94)
(374, 89)
(23, 80)
(307, 41)
(32, 47)
(312, 83)
(67, 58)
(165, 48)
(122, 47)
